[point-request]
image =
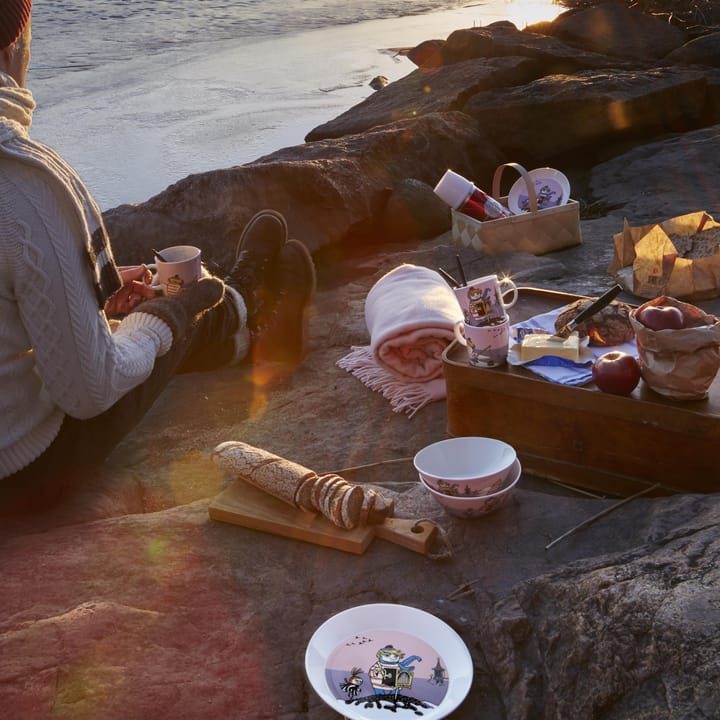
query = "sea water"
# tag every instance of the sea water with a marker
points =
(137, 94)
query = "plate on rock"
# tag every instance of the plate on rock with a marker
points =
(388, 661)
(552, 188)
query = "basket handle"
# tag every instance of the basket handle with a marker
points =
(532, 196)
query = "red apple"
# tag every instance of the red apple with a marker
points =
(616, 372)
(661, 317)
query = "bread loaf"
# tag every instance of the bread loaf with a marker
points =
(607, 327)
(345, 505)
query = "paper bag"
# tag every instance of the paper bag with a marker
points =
(679, 257)
(679, 364)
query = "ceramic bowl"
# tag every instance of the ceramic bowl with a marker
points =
(475, 506)
(465, 466)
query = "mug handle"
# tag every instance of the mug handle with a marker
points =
(154, 284)
(511, 287)
(459, 333)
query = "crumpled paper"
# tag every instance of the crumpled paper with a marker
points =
(679, 364)
(679, 257)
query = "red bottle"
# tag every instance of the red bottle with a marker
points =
(462, 195)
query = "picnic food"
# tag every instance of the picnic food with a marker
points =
(537, 345)
(607, 327)
(661, 317)
(616, 372)
(345, 505)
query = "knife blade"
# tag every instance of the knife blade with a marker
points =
(594, 307)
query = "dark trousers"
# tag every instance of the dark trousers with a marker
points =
(82, 445)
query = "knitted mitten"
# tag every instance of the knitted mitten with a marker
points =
(179, 311)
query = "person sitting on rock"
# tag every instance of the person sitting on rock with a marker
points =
(86, 347)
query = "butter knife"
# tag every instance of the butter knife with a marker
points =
(589, 311)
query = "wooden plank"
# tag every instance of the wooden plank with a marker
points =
(245, 505)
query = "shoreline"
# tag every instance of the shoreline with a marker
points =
(140, 126)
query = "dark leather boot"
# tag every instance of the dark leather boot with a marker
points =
(255, 258)
(283, 338)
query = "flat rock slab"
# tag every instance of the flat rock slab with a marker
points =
(129, 602)
(171, 614)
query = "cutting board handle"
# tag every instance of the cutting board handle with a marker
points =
(414, 535)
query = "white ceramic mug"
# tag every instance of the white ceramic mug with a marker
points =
(483, 300)
(487, 345)
(181, 266)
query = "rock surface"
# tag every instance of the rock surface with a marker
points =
(128, 602)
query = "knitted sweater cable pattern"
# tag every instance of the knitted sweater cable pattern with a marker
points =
(58, 355)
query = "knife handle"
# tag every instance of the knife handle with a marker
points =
(414, 535)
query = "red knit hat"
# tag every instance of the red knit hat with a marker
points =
(14, 15)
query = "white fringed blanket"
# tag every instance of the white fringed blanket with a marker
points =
(410, 314)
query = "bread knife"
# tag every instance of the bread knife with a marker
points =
(589, 311)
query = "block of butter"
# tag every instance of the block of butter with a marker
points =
(537, 345)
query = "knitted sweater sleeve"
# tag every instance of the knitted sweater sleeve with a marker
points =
(84, 367)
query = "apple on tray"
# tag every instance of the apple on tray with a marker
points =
(616, 372)
(661, 317)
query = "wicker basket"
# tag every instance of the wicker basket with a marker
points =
(536, 232)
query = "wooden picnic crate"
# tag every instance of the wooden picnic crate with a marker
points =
(579, 435)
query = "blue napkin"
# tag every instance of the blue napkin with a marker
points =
(555, 369)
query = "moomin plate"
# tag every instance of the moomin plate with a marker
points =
(552, 188)
(388, 661)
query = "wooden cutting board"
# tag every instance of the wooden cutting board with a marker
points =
(245, 505)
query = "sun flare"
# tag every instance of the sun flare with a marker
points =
(528, 12)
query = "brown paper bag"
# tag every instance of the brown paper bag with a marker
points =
(679, 364)
(679, 257)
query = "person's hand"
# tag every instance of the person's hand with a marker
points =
(135, 289)
(140, 273)
(179, 311)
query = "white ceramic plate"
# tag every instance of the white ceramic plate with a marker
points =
(388, 661)
(552, 188)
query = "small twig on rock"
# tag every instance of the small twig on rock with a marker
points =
(602, 513)
(371, 465)
(464, 589)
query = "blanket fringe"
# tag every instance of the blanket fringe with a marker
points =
(403, 397)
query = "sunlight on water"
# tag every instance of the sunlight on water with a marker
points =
(154, 97)
(527, 12)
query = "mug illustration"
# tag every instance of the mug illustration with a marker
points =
(485, 301)
(174, 284)
(487, 356)
(481, 306)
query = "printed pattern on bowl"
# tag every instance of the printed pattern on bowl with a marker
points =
(456, 489)
(476, 466)
(472, 506)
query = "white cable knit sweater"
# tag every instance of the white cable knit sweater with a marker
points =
(58, 355)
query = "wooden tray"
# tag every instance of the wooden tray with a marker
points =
(580, 435)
